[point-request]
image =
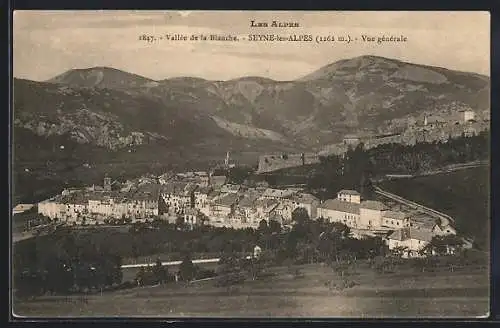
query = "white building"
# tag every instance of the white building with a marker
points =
(351, 140)
(51, 208)
(351, 196)
(20, 208)
(246, 211)
(90, 205)
(201, 201)
(370, 214)
(413, 240)
(278, 194)
(307, 201)
(178, 196)
(467, 115)
(222, 207)
(265, 208)
(284, 211)
(192, 217)
(443, 231)
(335, 210)
(395, 219)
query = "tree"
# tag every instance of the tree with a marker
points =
(444, 245)
(187, 269)
(300, 215)
(160, 272)
(400, 251)
(140, 276)
(179, 222)
(274, 226)
(263, 226)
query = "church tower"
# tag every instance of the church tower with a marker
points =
(226, 161)
(107, 183)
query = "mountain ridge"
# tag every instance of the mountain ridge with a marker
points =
(108, 113)
(58, 76)
(362, 94)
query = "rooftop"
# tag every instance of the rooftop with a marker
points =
(269, 192)
(213, 194)
(204, 190)
(349, 192)
(266, 204)
(21, 207)
(398, 215)
(373, 205)
(227, 200)
(190, 187)
(423, 222)
(248, 200)
(304, 198)
(173, 188)
(408, 233)
(178, 188)
(338, 205)
(230, 188)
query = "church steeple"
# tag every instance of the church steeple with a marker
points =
(107, 183)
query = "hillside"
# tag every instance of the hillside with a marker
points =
(464, 195)
(102, 77)
(106, 113)
(366, 94)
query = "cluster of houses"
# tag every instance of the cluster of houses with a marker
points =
(229, 205)
(409, 230)
(97, 204)
(199, 198)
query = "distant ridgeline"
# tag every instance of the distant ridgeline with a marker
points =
(276, 161)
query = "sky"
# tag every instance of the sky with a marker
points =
(48, 43)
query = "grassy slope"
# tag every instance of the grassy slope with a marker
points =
(403, 294)
(464, 195)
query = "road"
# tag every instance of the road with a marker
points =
(446, 169)
(445, 219)
(456, 167)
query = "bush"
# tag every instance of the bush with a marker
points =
(203, 274)
(230, 279)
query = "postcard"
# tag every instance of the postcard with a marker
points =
(251, 164)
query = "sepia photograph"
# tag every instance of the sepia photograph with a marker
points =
(250, 164)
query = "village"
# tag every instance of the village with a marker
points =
(202, 198)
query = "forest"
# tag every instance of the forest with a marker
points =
(359, 166)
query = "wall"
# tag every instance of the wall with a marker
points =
(273, 162)
(349, 219)
(370, 218)
(50, 209)
(395, 223)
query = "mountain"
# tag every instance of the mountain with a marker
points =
(366, 94)
(102, 77)
(105, 115)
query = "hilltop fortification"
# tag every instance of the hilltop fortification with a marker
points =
(276, 161)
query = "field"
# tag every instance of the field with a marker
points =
(463, 194)
(403, 294)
